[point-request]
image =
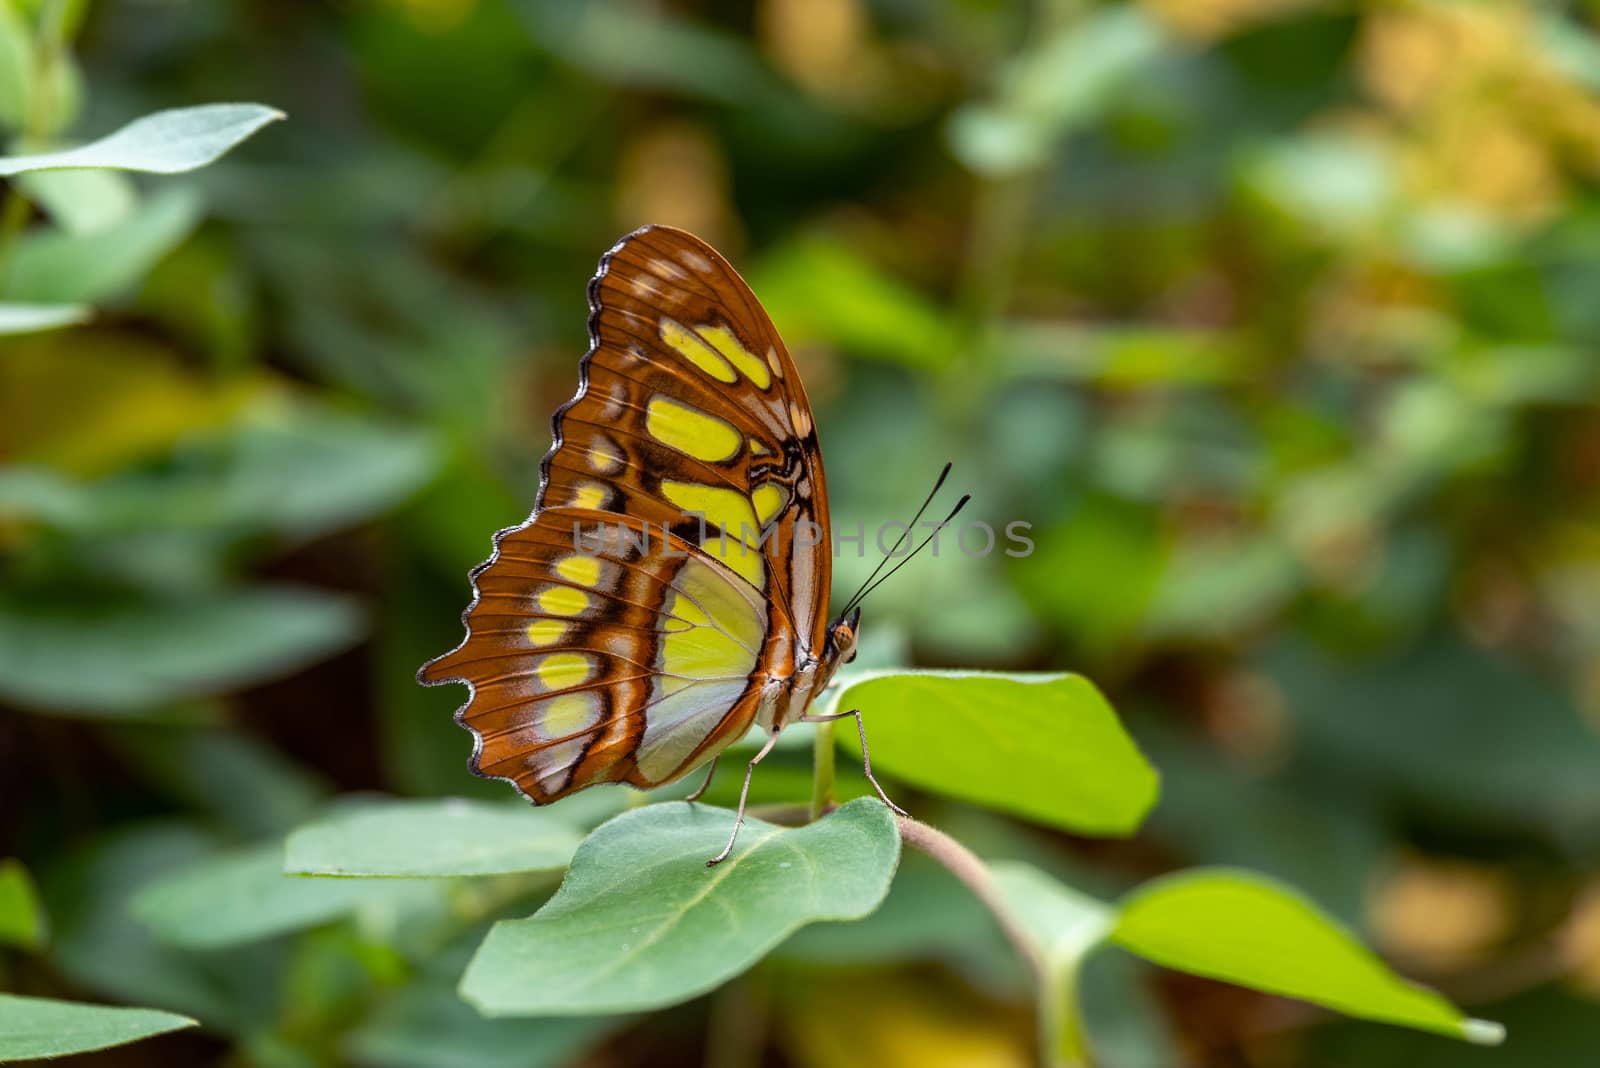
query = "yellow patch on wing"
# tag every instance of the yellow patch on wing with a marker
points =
(732, 512)
(701, 652)
(604, 455)
(691, 431)
(569, 713)
(692, 347)
(546, 631)
(590, 495)
(727, 342)
(584, 570)
(768, 499)
(702, 597)
(563, 601)
(560, 670)
(711, 641)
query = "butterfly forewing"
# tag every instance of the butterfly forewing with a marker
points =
(677, 558)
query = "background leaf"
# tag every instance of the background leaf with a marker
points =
(433, 838)
(88, 268)
(41, 1027)
(167, 142)
(81, 202)
(22, 920)
(427, 1025)
(244, 896)
(147, 653)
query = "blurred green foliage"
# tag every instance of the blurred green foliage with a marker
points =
(1275, 318)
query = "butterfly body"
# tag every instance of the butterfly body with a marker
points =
(669, 590)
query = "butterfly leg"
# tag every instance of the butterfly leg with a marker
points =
(866, 760)
(738, 820)
(711, 771)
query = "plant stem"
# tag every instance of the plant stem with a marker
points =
(975, 875)
(822, 770)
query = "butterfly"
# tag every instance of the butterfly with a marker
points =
(670, 589)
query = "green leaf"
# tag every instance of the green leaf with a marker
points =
(433, 838)
(22, 920)
(1045, 747)
(145, 653)
(1062, 922)
(296, 468)
(16, 66)
(288, 467)
(97, 943)
(639, 47)
(1122, 357)
(42, 1027)
(27, 318)
(244, 895)
(81, 202)
(1242, 928)
(927, 914)
(167, 142)
(234, 775)
(641, 922)
(1065, 926)
(427, 1026)
(55, 267)
(1055, 88)
(1435, 723)
(827, 291)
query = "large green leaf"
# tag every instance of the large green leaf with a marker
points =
(433, 838)
(1242, 928)
(1045, 747)
(125, 658)
(167, 142)
(51, 267)
(42, 1027)
(244, 895)
(641, 922)
(21, 917)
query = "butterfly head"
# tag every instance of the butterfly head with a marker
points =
(841, 647)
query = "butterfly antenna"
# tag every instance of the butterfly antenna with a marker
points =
(962, 503)
(856, 597)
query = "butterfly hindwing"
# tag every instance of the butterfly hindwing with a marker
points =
(690, 443)
(612, 657)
